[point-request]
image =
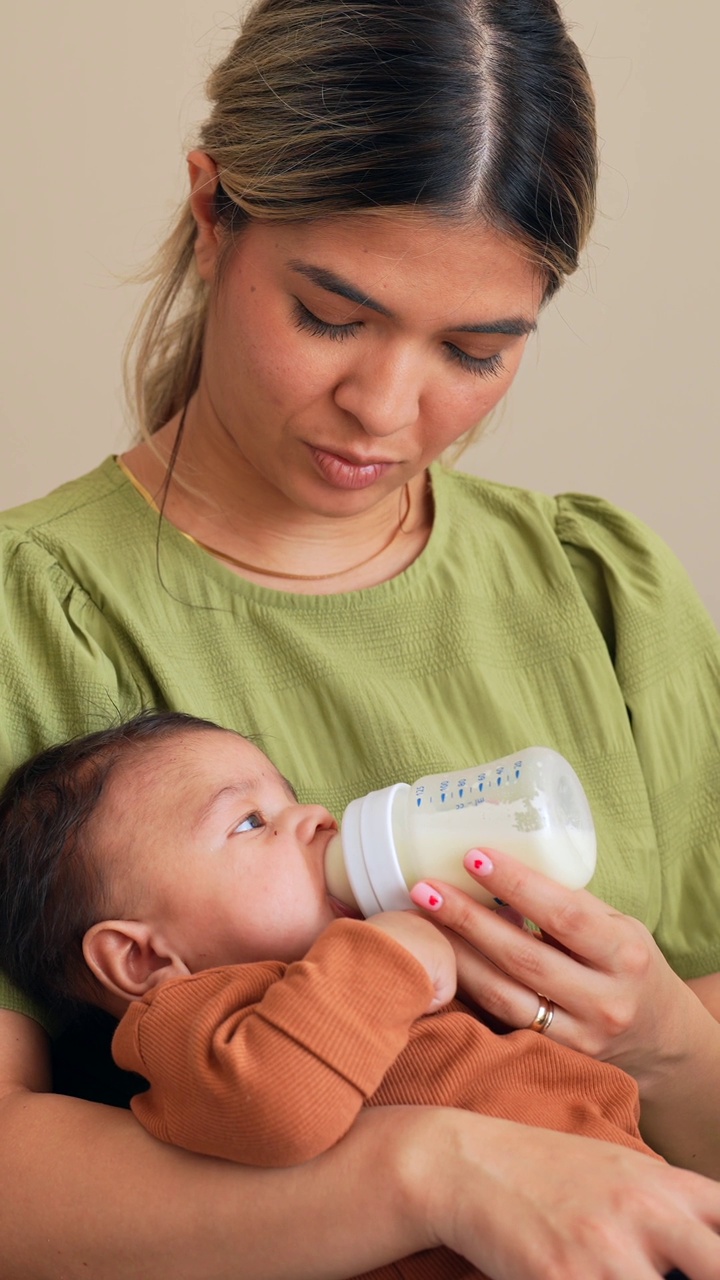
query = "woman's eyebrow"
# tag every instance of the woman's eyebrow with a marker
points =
(514, 326)
(335, 284)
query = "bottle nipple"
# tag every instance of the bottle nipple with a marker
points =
(336, 877)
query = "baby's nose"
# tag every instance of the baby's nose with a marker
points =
(312, 818)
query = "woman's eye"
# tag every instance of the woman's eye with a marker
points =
(251, 823)
(305, 319)
(485, 367)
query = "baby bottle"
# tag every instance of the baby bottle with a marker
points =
(531, 805)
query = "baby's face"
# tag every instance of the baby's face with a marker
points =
(216, 852)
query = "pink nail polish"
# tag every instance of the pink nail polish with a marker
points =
(423, 895)
(478, 863)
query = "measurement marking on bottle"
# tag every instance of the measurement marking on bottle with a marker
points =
(461, 793)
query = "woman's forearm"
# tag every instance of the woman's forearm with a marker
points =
(84, 1191)
(707, 990)
(680, 1114)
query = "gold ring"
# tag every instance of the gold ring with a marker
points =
(544, 1015)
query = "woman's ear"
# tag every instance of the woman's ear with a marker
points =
(129, 959)
(203, 185)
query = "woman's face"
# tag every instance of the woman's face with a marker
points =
(344, 356)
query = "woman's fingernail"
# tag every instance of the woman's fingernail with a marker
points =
(423, 895)
(478, 863)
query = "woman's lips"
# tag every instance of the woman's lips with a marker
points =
(344, 473)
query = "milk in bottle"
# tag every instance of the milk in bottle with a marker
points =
(531, 805)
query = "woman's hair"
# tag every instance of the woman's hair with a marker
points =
(464, 109)
(53, 885)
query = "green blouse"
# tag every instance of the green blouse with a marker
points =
(527, 620)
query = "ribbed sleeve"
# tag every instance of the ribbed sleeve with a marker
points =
(266, 1064)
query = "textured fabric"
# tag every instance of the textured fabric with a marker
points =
(17, 1002)
(526, 620)
(269, 1064)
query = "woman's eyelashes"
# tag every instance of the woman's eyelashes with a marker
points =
(305, 319)
(483, 366)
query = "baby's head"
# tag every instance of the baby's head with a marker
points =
(152, 850)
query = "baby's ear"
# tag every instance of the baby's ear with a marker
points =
(129, 959)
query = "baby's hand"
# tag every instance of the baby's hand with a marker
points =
(430, 947)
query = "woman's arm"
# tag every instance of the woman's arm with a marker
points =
(581, 1208)
(84, 1191)
(615, 996)
(707, 989)
(110, 1202)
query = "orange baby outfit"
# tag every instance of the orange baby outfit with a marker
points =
(269, 1064)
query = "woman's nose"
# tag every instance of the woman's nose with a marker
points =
(383, 393)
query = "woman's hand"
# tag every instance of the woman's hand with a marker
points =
(531, 1204)
(614, 995)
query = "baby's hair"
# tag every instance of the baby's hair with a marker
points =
(52, 887)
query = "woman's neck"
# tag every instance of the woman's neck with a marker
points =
(216, 498)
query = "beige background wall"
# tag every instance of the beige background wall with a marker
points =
(619, 394)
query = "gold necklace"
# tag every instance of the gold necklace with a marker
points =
(274, 573)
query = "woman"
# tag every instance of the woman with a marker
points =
(384, 196)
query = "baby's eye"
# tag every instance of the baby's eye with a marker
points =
(251, 823)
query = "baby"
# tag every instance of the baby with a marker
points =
(165, 871)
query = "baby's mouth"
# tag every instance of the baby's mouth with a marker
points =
(343, 911)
